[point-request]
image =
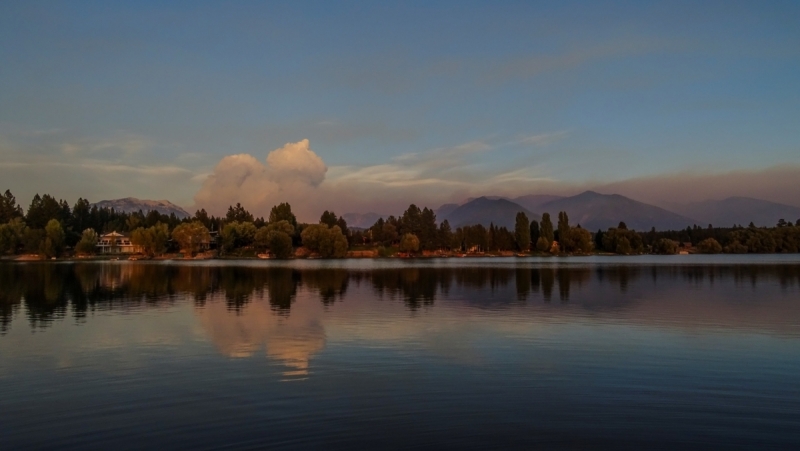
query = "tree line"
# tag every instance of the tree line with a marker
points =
(50, 227)
(784, 237)
(417, 230)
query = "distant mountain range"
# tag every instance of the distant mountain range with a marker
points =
(446, 209)
(738, 210)
(132, 205)
(595, 211)
(483, 210)
(534, 202)
(591, 210)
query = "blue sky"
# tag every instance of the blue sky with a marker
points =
(443, 100)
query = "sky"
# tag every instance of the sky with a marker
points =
(370, 106)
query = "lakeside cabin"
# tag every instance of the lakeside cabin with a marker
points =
(117, 243)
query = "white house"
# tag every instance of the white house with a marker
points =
(117, 243)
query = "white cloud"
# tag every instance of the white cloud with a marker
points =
(295, 162)
(291, 174)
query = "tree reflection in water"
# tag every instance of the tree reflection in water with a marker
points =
(244, 309)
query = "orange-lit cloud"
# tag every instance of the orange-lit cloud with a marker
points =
(291, 173)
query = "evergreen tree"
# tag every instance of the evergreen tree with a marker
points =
(283, 212)
(411, 221)
(522, 232)
(8, 208)
(342, 224)
(565, 243)
(238, 214)
(428, 231)
(42, 210)
(81, 215)
(598, 239)
(546, 229)
(534, 232)
(202, 217)
(328, 218)
(445, 236)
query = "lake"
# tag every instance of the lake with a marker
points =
(672, 352)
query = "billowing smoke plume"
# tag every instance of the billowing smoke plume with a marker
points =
(291, 174)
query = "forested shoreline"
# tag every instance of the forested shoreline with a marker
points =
(51, 228)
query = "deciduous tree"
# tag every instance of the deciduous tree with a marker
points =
(152, 239)
(409, 243)
(88, 242)
(326, 241)
(53, 244)
(709, 246)
(191, 236)
(12, 235)
(665, 246)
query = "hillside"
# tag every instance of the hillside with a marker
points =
(361, 220)
(132, 205)
(501, 212)
(738, 210)
(534, 202)
(445, 210)
(595, 211)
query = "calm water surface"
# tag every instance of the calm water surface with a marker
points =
(682, 352)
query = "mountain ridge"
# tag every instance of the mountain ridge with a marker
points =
(738, 210)
(593, 211)
(484, 210)
(133, 205)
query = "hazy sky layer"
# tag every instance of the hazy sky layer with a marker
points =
(424, 102)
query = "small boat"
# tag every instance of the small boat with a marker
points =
(263, 256)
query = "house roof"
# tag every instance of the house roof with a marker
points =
(113, 234)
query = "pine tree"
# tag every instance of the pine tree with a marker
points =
(522, 232)
(9, 208)
(546, 229)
